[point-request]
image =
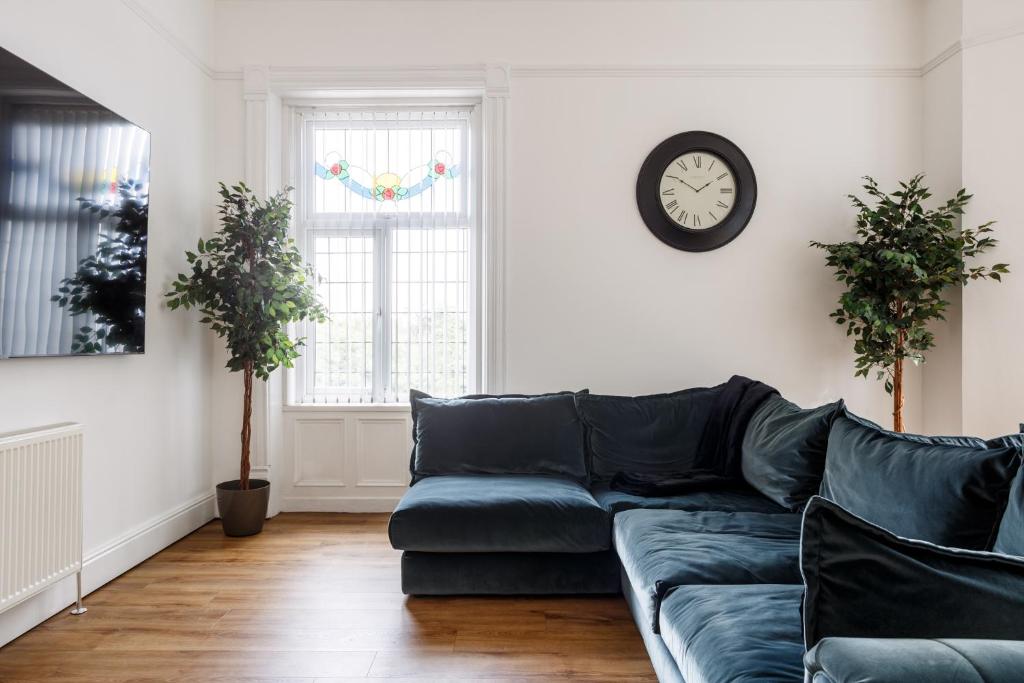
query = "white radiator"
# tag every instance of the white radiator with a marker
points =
(40, 511)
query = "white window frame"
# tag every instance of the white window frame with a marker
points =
(307, 226)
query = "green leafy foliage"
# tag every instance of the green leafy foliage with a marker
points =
(110, 284)
(897, 269)
(249, 282)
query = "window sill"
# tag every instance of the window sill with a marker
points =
(346, 408)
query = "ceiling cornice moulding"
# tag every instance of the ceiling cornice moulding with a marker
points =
(711, 71)
(471, 74)
(386, 76)
(944, 56)
(172, 38)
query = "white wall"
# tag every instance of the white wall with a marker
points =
(147, 473)
(972, 137)
(315, 33)
(942, 128)
(817, 94)
(596, 301)
(993, 147)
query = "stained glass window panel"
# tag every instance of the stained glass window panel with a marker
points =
(397, 162)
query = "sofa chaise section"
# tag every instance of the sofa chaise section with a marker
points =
(498, 503)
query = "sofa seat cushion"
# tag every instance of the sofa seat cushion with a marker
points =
(894, 660)
(734, 633)
(739, 500)
(662, 549)
(499, 513)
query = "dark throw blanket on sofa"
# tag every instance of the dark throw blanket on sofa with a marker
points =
(717, 465)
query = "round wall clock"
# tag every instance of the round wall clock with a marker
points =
(696, 191)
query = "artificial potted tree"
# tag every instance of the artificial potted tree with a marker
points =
(896, 274)
(249, 282)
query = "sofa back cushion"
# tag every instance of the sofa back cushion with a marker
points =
(1010, 537)
(949, 491)
(862, 581)
(498, 435)
(784, 450)
(656, 434)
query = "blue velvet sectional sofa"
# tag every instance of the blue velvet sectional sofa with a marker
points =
(753, 540)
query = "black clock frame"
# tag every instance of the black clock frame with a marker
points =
(648, 188)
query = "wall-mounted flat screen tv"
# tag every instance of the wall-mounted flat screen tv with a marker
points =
(74, 213)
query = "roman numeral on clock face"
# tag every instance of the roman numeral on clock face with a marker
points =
(669, 192)
(682, 216)
(682, 164)
(696, 221)
(721, 176)
(726, 190)
(671, 206)
(721, 204)
(696, 160)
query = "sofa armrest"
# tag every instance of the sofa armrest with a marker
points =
(865, 582)
(885, 660)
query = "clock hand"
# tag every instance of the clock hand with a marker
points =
(683, 182)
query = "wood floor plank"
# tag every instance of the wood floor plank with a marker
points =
(316, 597)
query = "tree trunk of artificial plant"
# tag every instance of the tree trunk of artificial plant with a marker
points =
(897, 377)
(243, 476)
(897, 396)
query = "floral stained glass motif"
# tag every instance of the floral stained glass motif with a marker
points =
(388, 186)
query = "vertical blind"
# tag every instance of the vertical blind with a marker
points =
(388, 223)
(56, 154)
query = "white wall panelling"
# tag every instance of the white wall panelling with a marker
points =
(378, 439)
(318, 452)
(345, 460)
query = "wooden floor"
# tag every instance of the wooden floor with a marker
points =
(316, 597)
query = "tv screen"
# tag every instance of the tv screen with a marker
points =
(74, 213)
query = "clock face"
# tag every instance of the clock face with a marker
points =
(697, 190)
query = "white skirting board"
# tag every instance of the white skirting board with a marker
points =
(107, 563)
